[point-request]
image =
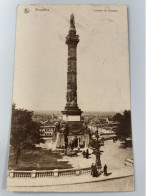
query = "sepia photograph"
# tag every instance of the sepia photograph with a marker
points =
(71, 128)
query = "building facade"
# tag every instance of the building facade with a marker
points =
(47, 130)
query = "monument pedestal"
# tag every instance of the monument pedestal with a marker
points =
(71, 113)
(71, 117)
(76, 130)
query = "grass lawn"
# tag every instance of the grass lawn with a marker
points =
(37, 159)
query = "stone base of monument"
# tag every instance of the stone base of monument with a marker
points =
(83, 140)
(75, 130)
(59, 140)
(71, 117)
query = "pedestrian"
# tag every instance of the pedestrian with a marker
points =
(84, 153)
(95, 174)
(92, 168)
(76, 142)
(87, 154)
(105, 170)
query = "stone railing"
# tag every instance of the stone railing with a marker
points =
(48, 173)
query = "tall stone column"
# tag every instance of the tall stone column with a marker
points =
(72, 111)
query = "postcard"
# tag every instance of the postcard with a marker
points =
(71, 117)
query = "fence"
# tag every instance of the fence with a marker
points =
(48, 173)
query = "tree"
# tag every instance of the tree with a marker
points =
(123, 129)
(117, 117)
(25, 133)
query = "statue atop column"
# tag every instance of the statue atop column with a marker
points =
(72, 21)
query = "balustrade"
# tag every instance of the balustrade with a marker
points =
(48, 173)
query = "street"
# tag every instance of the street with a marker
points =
(122, 184)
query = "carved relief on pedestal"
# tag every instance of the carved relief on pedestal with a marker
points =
(71, 97)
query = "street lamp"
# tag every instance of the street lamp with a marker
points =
(97, 150)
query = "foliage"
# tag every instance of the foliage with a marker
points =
(123, 129)
(117, 117)
(25, 133)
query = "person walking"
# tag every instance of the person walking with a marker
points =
(105, 170)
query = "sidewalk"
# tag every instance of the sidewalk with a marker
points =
(13, 183)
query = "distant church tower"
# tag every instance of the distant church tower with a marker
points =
(72, 111)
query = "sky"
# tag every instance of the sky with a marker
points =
(40, 76)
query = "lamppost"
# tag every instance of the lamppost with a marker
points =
(97, 150)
